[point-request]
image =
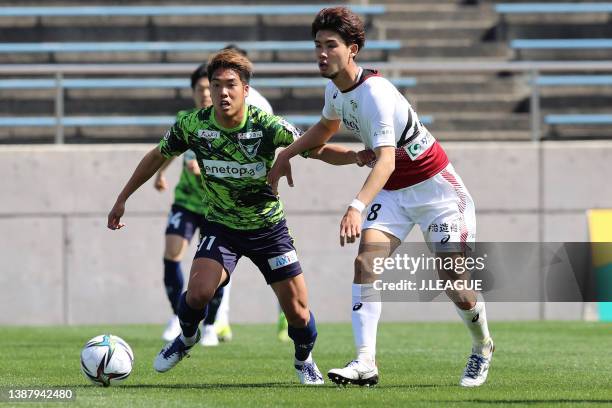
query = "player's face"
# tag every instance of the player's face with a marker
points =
(333, 55)
(228, 92)
(201, 93)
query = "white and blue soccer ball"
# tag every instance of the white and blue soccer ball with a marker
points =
(107, 359)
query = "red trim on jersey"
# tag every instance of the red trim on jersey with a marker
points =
(365, 74)
(461, 204)
(409, 172)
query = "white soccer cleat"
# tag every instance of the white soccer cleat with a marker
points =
(172, 353)
(209, 338)
(173, 329)
(356, 372)
(308, 372)
(476, 369)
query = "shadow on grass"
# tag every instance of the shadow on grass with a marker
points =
(203, 386)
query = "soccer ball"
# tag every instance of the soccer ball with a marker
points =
(106, 360)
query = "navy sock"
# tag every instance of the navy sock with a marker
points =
(190, 318)
(173, 280)
(303, 338)
(213, 306)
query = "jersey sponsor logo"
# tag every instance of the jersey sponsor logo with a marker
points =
(419, 146)
(224, 169)
(209, 134)
(283, 260)
(351, 124)
(384, 132)
(249, 143)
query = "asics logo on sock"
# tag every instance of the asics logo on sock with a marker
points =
(475, 318)
(357, 306)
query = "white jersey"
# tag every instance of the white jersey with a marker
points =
(375, 111)
(258, 100)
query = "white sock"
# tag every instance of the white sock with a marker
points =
(222, 318)
(301, 363)
(366, 313)
(475, 320)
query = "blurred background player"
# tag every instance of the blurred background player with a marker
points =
(186, 211)
(411, 182)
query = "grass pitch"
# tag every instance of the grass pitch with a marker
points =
(536, 364)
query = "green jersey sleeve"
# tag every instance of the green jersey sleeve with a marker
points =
(176, 140)
(285, 133)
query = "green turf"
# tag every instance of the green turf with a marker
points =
(536, 364)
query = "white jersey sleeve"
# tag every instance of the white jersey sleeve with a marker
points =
(328, 110)
(258, 100)
(378, 113)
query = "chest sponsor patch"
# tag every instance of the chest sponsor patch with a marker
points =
(283, 260)
(419, 146)
(224, 169)
(208, 134)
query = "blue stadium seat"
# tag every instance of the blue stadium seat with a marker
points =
(578, 119)
(545, 8)
(103, 121)
(575, 80)
(215, 10)
(102, 83)
(579, 44)
(179, 46)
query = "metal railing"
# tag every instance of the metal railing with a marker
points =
(532, 69)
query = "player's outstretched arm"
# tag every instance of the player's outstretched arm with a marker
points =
(316, 136)
(350, 226)
(149, 164)
(160, 183)
(339, 155)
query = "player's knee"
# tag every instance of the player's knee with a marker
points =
(363, 269)
(199, 298)
(172, 253)
(174, 248)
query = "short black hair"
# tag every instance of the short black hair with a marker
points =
(343, 21)
(231, 59)
(200, 72)
(237, 49)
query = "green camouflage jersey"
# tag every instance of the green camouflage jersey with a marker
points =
(189, 192)
(234, 164)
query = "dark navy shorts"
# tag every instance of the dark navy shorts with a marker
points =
(271, 249)
(183, 222)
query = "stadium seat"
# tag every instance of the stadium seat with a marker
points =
(184, 10)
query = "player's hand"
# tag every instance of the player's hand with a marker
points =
(350, 226)
(115, 214)
(366, 158)
(193, 167)
(160, 183)
(281, 167)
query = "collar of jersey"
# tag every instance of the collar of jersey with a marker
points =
(240, 126)
(360, 80)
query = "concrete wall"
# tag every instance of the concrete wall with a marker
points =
(61, 265)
